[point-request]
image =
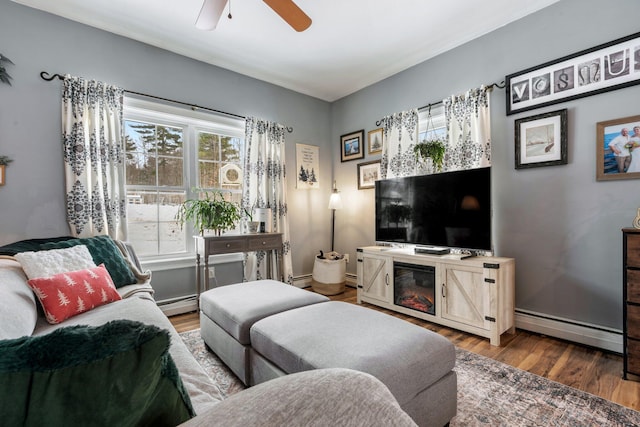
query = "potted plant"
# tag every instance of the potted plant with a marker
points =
(252, 226)
(433, 149)
(211, 213)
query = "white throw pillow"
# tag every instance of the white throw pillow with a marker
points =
(17, 303)
(48, 263)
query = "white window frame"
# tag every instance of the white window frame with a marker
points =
(192, 121)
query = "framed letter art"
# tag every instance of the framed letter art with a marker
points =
(352, 146)
(606, 67)
(541, 140)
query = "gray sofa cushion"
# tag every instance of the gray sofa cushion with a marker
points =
(17, 302)
(405, 357)
(324, 397)
(235, 308)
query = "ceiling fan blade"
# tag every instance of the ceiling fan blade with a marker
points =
(291, 13)
(210, 14)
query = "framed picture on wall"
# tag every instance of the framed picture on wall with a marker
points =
(375, 141)
(368, 174)
(541, 140)
(618, 149)
(352, 146)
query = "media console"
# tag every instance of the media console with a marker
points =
(474, 295)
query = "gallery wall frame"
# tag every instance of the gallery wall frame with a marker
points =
(609, 66)
(308, 163)
(541, 140)
(368, 174)
(610, 134)
(352, 146)
(375, 141)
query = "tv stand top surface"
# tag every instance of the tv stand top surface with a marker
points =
(410, 252)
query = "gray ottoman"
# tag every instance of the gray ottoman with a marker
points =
(414, 363)
(228, 312)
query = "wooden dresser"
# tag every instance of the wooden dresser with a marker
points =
(631, 302)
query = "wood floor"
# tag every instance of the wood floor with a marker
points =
(591, 370)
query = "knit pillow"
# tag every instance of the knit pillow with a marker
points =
(104, 251)
(117, 374)
(47, 263)
(68, 294)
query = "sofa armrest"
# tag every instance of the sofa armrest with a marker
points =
(321, 397)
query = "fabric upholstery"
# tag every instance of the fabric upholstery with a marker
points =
(119, 373)
(104, 251)
(142, 308)
(47, 263)
(405, 357)
(235, 308)
(68, 294)
(17, 302)
(325, 397)
(29, 245)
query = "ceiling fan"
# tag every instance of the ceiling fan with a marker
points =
(289, 11)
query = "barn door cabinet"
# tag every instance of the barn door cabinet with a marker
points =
(474, 295)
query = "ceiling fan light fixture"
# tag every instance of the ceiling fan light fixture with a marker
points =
(210, 14)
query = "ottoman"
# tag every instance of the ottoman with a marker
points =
(228, 312)
(414, 363)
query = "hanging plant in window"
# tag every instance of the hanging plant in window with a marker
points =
(432, 147)
(4, 76)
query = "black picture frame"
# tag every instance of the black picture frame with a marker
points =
(603, 68)
(352, 146)
(368, 174)
(536, 140)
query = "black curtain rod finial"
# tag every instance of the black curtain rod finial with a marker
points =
(45, 76)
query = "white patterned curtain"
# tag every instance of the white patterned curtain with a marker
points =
(468, 119)
(94, 160)
(400, 134)
(265, 187)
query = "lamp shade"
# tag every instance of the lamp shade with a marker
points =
(335, 202)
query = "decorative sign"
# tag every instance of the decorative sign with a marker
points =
(307, 160)
(610, 66)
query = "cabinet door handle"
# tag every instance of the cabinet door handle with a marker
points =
(444, 290)
(228, 245)
(386, 279)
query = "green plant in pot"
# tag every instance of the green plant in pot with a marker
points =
(252, 226)
(433, 150)
(212, 212)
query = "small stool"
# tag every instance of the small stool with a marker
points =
(414, 363)
(228, 312)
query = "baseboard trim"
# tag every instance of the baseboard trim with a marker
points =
(180, 306)
(570, 330)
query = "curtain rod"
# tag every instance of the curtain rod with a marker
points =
(46, 76)
(500, 85)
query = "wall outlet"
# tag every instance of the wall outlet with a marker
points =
(346, 256)
(212, 272)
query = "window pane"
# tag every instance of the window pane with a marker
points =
(231, 149)
(169, 141)
(209, 173)
(170, 171)
(141, 169)
(208, 146)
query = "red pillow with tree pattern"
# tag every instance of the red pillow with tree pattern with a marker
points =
(65, 295)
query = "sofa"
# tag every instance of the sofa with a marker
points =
(59, 368)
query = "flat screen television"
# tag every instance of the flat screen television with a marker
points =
(449, 209)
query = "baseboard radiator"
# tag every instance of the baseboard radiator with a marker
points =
(579, 332)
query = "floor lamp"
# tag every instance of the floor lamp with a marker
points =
(335, 202)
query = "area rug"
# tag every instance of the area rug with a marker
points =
(490, 393)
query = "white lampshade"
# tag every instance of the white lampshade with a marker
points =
(335, 202)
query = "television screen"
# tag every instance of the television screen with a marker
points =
(450, 209)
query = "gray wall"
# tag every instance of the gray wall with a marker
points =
(561, 226)
(32, 201)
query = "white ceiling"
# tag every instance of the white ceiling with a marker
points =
(351, 44)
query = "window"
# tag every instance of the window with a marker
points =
(173, 154)
(434, 127)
